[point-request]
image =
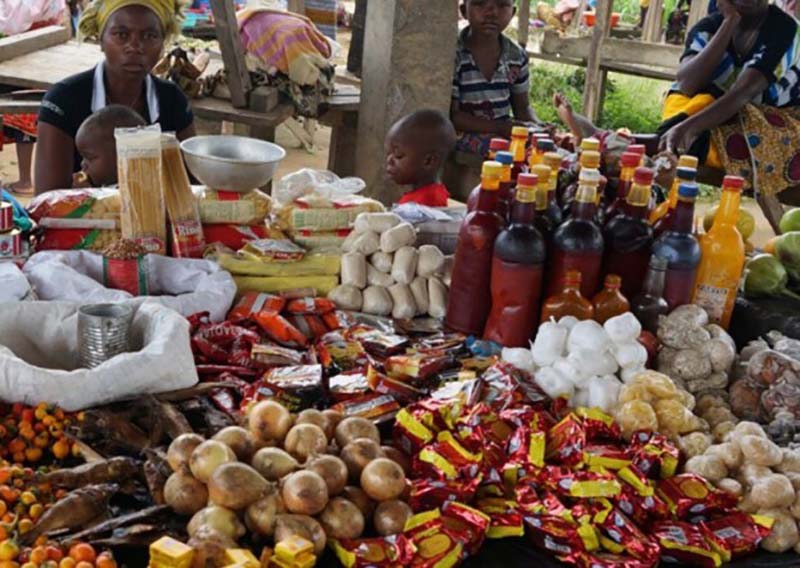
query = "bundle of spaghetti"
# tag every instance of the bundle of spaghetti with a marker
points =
(143, 218)
(186, 231)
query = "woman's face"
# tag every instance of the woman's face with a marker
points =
(133, 40)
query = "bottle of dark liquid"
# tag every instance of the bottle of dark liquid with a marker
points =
(628, 164)
(517, 265)
(629, 237)
(504, 198)
(681, 249)
(650, 303)
(569, 301)
(609, 301)
(590, 160)
(538, 148)
(469, 298)
(543, 221)
(683, 175)
(578, 242)
(496, 145)
(553, 161)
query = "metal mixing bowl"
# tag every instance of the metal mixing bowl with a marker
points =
(233, 163)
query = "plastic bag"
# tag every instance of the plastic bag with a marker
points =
(13, 284)
(18, 16)
(307, 181)
(186, 285)
(39, 355)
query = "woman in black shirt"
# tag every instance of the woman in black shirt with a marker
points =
(132, 35)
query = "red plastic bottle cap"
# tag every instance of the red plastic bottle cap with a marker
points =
(643, 176)
(630, 159)
(637, 149)
(573, 277)
(499, 144)
(613, 281)
(528, 180)
(732, 182)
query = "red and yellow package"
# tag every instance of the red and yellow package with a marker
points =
(409, 433)
(234, 236)
(465, 524)
(338, 354)
(347, 386)
(619, 535)
(527, 447)
(685, 544)
(688, 494)
(375, 407)
(566, 441)
(252, 303)
(376, 342)
(559, 536)
(579, 484)
(279, 329)
(536, 419)
(636, 479)
(435, 547)
(505, 516)
(446, 458)
(310, 325)
(432, 493)
(737, 533)
(394, 551)
(599, 425)
(606, 457)
(76, 239)
(418, 367)
(308, 306)
(642, 510)
(403, 392)
(654, 455)
(437, 414)
(480, 424)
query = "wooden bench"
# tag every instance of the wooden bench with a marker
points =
(341, 114)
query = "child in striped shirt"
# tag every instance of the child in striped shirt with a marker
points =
(490, 85)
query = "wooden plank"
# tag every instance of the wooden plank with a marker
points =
(594, 75)
(218, 109)
(232, 51)
(13, 106)
(617, 50)
(697, 11)
(523, 22)
(577, 19)
(651, 32)
(42, 69)
(34, 40)
(607, 65)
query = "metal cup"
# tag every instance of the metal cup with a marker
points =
(103, 332)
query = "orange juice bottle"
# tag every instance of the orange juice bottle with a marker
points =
(609, 301)
(685, 161)
(722, 257)
(518, 149)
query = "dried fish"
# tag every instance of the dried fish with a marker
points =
(107, 471)
(75, 510)
(150, 514)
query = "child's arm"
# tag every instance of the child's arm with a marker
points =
(466, 122)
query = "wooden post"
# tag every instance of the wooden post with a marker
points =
(697, 11)
(230, 45)
(575, 24)
(594, 75)
(297, 6)
(409, 49)
(523, 22)
(651, 32)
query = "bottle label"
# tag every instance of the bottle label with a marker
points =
(713, 299)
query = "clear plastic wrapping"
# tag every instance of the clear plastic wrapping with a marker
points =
(186, 232)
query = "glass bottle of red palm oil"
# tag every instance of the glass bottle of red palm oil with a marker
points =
(650, 303)
(518, 149)
(681, 249)
(469, 298)
(629, 237)
(578, 242)
(543, 221)
(569, 301)
(553, 161)
(683, 175)
(517, 266)
(628, 164)
(538, 148)
(609, 301)
(496, 145)
(504, 197)
(590, 160)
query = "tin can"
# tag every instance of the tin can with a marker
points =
(6, 217)
(10, 244)
(103, 332)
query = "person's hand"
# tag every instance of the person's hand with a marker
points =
(728, 11)
(678, 139)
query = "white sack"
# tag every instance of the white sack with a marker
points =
(13, 284)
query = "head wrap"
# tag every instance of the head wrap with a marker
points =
(94, 18)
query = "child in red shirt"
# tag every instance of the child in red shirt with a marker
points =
(416, 148)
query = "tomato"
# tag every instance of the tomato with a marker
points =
(83, 552)
(105, 560)
(38, 555)
(54, 553)
(67, 562)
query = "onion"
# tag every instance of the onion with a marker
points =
(383, 480)
(332, 469)
(217, 519)
(317, 418)
(210, 547)
(184, 494)
(305, 493)
(180, 450)
(360, 499)
(399, 457)
(333, 417)
(207, 457)
(391, 516)
(235, 486)
(357, 454)
(287, 526)
(354, 428)
(239, 440)
(342, 519)
(273, 463)
(260, 516)
(269, 420)
(305, 440)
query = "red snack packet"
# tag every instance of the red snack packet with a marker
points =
(506, 519)
(654, 455)
(311, 326)
(599, 425)
(376, 342)
(686, 544)
(349, 385)
(434, 546)
(418, 367)
(465, 524)
(688, 494)
(432, 493)
(315, 306)
(579, 484)
(402, 392)
(619, 535)
(566, 440)
(338, 354)
(606, 456)
(642, 510)
(234, 236)
(447, 459)
(336, 320)
(560, 537)
(737, 533)
(535, 418)
(273, 355)
(279, 329)
(375, 407)
(527, 447)
(393, 551)
(410, 433)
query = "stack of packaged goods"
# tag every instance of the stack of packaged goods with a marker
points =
(232, 218)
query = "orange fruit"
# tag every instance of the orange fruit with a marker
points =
(84, 564)
(67, 562)
(54, 553)
(105, 560)
(38, 555)
(83, 552)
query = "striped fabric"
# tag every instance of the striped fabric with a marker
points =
(277, 38)
(489, 98)
(323, 13)
(776, 54)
